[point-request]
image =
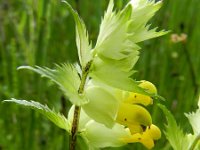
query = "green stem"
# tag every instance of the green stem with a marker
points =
(195, 142)
(77, 109)
(74, 129)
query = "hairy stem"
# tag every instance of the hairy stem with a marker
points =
(75, 127)
(77, 109)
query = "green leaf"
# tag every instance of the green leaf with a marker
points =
(102, 106)
(82, 40)
(174, 134)
(100, 136)
(66, 77)
(194, 119)
(57, 118)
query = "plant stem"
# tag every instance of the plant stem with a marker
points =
(77, 109)
(75, 127)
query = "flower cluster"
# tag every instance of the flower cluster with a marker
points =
(133, 122)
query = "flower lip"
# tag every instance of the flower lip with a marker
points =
(146, 138)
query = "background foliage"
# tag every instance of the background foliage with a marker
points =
(41, 32)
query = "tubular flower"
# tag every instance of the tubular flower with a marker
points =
(137, 119)
(131, 121)
(126, 121)
(136, 98)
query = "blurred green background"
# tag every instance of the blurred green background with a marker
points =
(41, 32)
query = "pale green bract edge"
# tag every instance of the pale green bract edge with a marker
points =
(99, 136)
(57, 118)
(194, 119)
(102, 106)
(177, 139)
(112, 41)
(143, 11)
(66, 77)
(82, 39)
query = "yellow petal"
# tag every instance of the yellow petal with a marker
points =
(150, 87)
(154, 132)
(134, 138)
(135, 128)
(148, 143)
(135, 98)
(144, 138)
(133, 114)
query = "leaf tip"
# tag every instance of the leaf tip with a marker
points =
(22, 67)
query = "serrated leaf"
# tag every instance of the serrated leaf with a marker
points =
(66, 77)
(174, 133)
(147, 33)
(194, 119)
(57, 118)
(143, 11)
(82, 40)
(112, 41)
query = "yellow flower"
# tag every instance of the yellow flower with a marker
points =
(147, 137)
(137, 119)
(136, 98)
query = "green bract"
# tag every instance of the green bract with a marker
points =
(116, 48)
(103, 105)
(100, 136)
(143, 11)
(112, 41)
